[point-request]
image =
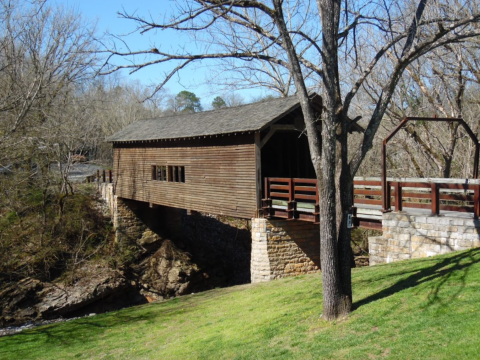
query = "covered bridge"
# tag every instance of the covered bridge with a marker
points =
(213, 161)
(217, 161)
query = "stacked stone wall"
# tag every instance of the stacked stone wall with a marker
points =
(128, 226)
(410, 236)
(106, 193)
(283, 248)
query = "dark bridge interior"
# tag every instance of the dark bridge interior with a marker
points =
(286, 154)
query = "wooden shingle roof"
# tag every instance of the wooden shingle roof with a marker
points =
(244, 118)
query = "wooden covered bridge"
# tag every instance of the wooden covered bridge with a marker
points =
(252, 161)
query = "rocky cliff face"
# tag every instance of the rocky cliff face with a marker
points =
(169, 272)
(31, 299)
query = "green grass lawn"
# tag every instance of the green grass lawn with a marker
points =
(418, 309)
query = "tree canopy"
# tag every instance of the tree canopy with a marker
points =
(218, 103)
(187, 102)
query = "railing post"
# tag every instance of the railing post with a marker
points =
(435, 198)
(292, 204)
(98, 176)
(267, 208)
(267, 188)
(387, 194)
(110, 176)
(476, 202)
(398, 196)
(103, 176)
(291, 190)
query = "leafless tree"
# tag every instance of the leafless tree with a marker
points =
(110, 104)
(233, 99)
(436, 85)
(45, 54)
(340, 45)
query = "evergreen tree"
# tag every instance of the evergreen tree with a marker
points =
(187, 102)
(218, 103)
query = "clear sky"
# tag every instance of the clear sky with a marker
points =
(104, 13)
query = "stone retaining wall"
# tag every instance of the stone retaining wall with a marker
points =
(129, 226)
(106, 193)
(410, 236)
(283, 248)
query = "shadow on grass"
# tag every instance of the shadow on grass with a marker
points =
(438, 274)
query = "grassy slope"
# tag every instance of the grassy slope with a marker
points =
(423, 309)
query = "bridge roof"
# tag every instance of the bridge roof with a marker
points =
(239, 119)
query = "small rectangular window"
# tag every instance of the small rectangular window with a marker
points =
(171, 173)
(176, 174)
(181, 174)
(159, 172)
(154, 172)
(176, 171)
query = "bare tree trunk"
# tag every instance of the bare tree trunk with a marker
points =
(344, 198)
(335, 244)
(336, 301)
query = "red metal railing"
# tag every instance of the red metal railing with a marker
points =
(400, 194)
(403, 123)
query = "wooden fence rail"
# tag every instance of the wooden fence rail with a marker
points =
(293, 198)
(102, 176)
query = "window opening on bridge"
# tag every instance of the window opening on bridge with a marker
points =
(159, 172)
(170, 173)
(176, 173)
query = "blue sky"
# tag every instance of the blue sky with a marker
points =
(104, 12)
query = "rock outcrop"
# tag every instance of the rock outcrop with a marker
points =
(31, 299)
(169, 272)
(17, 301)
(158, 253)
(95, 284)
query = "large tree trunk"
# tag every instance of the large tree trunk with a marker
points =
(344, 198)
(333, 298)
(334, 250)
(335, 239)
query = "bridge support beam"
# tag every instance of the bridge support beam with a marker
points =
(283, 248)
(407, 236)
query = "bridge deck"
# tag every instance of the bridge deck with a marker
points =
(293, 198)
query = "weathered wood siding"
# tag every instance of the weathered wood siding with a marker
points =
(219, 174)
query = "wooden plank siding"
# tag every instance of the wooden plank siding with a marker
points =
(220, 177)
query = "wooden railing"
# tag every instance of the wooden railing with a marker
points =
(294, 194)
(291, 198)
(367, 192)
(102, 176)
(434, 196)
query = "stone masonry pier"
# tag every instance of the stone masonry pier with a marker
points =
(283, 248)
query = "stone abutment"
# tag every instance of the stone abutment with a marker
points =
(407, 236)
(283, 248)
